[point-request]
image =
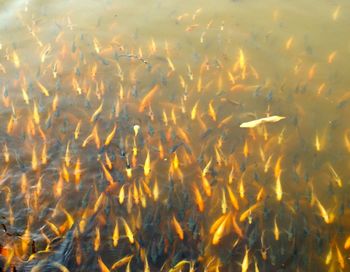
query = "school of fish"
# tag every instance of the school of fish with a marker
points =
(119, 154)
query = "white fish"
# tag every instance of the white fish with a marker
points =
(257, 122)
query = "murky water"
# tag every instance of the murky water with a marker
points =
(127, 144)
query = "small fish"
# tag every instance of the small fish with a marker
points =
(148, 97)
(122, 261)
(257, 122)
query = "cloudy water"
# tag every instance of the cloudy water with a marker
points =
(174, 136)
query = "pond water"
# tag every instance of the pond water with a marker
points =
(174, 136)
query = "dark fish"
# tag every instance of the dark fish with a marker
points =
(175, 147)
(65, 252)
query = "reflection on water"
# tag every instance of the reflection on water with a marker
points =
(123, 146)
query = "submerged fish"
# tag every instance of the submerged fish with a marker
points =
(257, 122)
